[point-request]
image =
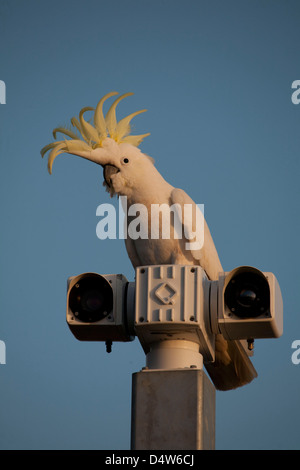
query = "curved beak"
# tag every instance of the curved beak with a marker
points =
(108, 172)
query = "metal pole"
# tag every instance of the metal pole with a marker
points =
(172, 410)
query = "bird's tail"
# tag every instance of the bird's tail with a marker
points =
(232, 367)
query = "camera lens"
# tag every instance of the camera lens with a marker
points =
(247, 294)
(91, 298)
(92, 301)
(247, 297)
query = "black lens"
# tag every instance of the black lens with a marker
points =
(91, 298)
(247, 294)
(247, 297)
(93, 301)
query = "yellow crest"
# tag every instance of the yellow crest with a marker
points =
(87, 136)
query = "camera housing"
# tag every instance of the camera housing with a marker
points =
(172, 314)
(97, 307)
(246, 303)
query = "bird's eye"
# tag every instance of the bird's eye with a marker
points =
(125, 160)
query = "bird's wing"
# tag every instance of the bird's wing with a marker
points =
(131, 251)
(203, 249)
(232, 367)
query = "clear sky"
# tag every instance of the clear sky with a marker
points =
(216, 79)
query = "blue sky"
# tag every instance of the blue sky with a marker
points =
(216, 79)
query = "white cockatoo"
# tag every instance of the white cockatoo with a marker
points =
(128, 172)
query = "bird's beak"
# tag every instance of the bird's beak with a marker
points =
(108, 172)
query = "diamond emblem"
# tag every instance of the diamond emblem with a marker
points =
(166, 294)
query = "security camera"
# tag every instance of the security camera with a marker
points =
(97, 307)
(246, 303)
(175, 310)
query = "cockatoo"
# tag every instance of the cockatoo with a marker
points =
(128, 172)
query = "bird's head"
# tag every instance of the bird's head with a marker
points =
(107, 143)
